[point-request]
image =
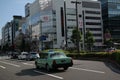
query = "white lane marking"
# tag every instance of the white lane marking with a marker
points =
(95, 71)
(58, 77)
(2, 67)
(28, 64)
(10, 64)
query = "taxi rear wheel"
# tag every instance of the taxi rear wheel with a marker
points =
(65, 68)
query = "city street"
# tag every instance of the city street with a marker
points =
(12, 69)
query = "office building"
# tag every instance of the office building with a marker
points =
(55, 20)
(111, 18)
(11, 30)
(89, 18)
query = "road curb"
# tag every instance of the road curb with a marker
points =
(114, 63)
(94, 59)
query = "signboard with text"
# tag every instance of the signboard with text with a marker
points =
(46, 18)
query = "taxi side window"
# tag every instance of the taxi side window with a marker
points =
(44, 56)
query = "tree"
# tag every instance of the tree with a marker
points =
(22, 42)
(76, 37)
(108, 39)
(89, 40)
(19, 41)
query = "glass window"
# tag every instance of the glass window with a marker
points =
(91, 5)
(94, 18)
(117, 1)
(70, 11)
(92, 12)
(94, 29)
(93, 23)
(98, 40)
(43, 55)
(54, 55)
(114, 12)
(112, 6)
(97, 34)
(71, 19)
(118, 6)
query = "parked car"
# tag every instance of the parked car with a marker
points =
(9, 53)
(32, 56)
(112, 49)
(23, 55)
(53, 60)
(14, 55)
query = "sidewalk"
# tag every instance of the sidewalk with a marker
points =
(4, 57)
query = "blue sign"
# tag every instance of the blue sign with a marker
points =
(43, 37)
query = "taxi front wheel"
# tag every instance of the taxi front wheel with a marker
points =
(37, 67)
(47, 68)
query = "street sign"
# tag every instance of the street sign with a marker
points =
(42, 38)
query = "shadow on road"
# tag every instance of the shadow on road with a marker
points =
(28, 72)
(112, 67)
(31, 72)
(52, 71)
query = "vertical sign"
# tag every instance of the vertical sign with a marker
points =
(80, 16)
(62, 22)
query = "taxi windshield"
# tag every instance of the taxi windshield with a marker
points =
(54, 55)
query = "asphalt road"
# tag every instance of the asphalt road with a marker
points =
(11, 69)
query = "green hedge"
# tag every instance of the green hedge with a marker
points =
(115, 56)
(60, 50)
(89, 55)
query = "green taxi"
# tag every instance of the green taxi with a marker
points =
(53, 60)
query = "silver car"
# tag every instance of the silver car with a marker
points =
(23, 55)
(32, 56)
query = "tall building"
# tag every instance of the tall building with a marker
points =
(27, 10)
(3, 36)
(6, 33)
(16, 25)
(10, 31)
(111, 18)
(89, 18)
(55, 19)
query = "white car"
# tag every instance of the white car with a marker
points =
(23, 55)
(32, 56)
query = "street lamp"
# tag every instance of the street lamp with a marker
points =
(76, 3)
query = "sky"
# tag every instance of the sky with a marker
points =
(8, 8)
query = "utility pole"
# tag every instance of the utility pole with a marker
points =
(76, 7)
(83, 30)
(41, 34)
(30, 34)
(66, 45)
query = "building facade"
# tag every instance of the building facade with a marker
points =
(111, 18)
(89, 18)
(6, 36)
(52, 21)
(6, 33)
(11, 30)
